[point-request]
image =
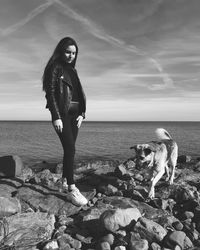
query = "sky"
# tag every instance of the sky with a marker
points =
(138, 60)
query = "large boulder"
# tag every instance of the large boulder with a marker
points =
(146, 210)
(8, 187)
(116, 219)
(10, 166)
(177, 238)
(49, 200)
(9, 206)
(150, 230)
(28, 229)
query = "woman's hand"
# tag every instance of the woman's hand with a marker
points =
(79, 119)
(58, 125)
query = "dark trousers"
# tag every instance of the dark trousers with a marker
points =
(68, 140)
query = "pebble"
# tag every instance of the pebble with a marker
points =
(108, 238)
(177, 225)
(120, 248)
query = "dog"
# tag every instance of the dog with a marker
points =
(157, 155)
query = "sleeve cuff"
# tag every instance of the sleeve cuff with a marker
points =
(83, 115)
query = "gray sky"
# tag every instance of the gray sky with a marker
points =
(138, 60)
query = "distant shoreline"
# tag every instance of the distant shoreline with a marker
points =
(105, 121)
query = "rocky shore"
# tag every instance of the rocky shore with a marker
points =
(35, 214)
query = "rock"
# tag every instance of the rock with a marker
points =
(139, 245)
(120, 248)
(26, 174)
(49, 200)
(90, 220)
(178, 226)
(9, 206)
(167, 221)
(9, 187)
(119, 202)
(104, 246)
(108, 190)
(139, 177)
(185, 194)
(108, 238)
(150, 230)
(139, 194)
(134, 236)
(29, 228)
(10, 166)
(82, 227)
(188, 243)
(155, 246)
(120, 171)
(113, 220)
(121, 233)
(131, 184)
(174, 248)
(187, 223)
(184, 158)
(129, 164)
(45, 177)
(187, 215)
(64, 220)
(63, 243)
(192, 234)
(175, 238)
(66, 239)
(51, 245)
(76, 244)
(61, 229)
(83, 239)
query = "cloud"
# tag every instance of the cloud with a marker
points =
(100, 33)
(30, 16)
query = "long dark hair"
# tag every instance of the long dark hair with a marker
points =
(58, 55)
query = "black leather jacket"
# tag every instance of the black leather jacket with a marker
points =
(59, 92)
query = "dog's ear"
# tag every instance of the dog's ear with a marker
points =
(147, 151)
(152, 148)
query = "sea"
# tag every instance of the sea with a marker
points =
(36, 141)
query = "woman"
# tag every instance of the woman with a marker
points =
(67, 104)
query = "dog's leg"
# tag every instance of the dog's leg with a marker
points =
(167, 171)
(157, 176)
(173, 162)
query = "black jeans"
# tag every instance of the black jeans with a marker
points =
(68, 140)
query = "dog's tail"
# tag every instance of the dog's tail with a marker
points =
(162, 134)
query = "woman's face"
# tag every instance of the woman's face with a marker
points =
(70, 53)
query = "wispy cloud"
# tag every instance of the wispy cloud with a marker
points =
(100, 33)
(30, 16)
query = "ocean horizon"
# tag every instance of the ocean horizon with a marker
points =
(36, 141)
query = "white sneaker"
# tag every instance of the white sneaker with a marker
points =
(77, 198)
